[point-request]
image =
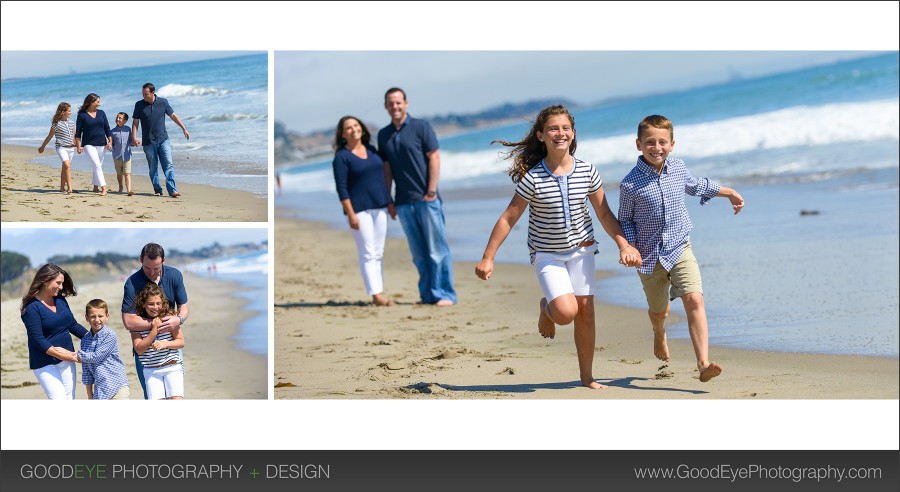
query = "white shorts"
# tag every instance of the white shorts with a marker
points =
(571, 272)
(65, 154)
(164, 382)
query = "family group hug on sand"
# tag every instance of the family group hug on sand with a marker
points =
(154, 309)
(651, 231)
(92, 135)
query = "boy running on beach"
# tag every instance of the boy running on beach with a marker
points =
(103, 372)
(654, 219)
(121, 151)
(556, 187)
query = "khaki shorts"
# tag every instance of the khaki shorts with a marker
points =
(123, 166)
(123, 394)
(661, 286)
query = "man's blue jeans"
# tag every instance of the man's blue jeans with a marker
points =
(161, 154)
(423, 224)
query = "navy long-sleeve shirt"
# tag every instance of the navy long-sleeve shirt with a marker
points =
(360, 180)
(92, 131)
(48, 329)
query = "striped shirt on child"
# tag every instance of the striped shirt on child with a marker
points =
(65, 133)
(558, 216)
(156, 358)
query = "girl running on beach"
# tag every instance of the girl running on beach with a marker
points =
(64, 130)
(556, 186)
(158, 352)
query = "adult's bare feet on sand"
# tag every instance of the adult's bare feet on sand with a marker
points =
(709, 372)
(594, 385)
(546, 326)
(380, 300)
(660, 347)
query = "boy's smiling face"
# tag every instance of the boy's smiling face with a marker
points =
(655, 144)
(120, 120)
(96, 318)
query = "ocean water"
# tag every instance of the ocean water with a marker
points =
(223, 102)
(251, 272)
(824, 139)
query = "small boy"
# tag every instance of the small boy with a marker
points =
(103, 373)
(121, 151)
(654, 219)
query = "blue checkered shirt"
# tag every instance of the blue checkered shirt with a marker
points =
(652, 210)
(102, 365)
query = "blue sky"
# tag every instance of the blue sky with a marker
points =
(41, 243)
(313, 90)
(17, 64)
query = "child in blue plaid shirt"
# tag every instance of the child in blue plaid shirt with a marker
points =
(655, 220)
(103, 372)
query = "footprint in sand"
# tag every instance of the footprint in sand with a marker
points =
(508, 370)
(630, 361)
(664, 372)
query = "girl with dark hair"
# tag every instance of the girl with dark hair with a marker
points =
(50, 323)
(94, 137)
(361, 187)
(557, 186)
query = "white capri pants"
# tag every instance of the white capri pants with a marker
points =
(66, 154)
(97, 153)
(164, 382)
(58, 380)
(370, 246)
(571, 272)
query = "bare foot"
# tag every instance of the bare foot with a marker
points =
(103, 193)
(96, 189)
(120, 190)
(546, 326)
(660, 347)
(380, 300)
(710, 371)
(594, 385)
(444, 302)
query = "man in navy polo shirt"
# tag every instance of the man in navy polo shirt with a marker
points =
(411, 157)
(151, 111)
(172, 283)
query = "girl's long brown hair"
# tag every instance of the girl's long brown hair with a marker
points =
(528, 152)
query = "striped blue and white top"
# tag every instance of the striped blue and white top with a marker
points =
(65, 133)
(558, 216)
(155, 358)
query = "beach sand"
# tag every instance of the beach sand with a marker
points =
(329, 344)
(29, 192)
(214, 367)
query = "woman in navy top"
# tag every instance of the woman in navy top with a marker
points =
(50, 325)
(359, 178)
(93, 137)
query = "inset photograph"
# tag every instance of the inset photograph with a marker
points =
(130, 316)
(562, 225)
(134, 136)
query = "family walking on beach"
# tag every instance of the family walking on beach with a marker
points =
(154, 308)
(92, 135)
(651, 230)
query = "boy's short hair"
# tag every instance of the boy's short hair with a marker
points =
(655, 121)
(124, 116)
(96, 304)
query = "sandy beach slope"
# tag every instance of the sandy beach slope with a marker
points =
(329, 344)
(29, 192)
(214, 367)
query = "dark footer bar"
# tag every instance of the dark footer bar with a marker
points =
(398, 471)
